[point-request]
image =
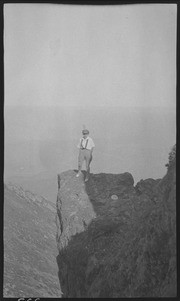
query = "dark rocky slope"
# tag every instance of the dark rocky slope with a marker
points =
(114, 239)
(30, 251)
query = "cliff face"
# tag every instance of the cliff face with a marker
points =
(30, 251)
(114, 239)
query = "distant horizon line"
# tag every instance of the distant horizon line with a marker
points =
(89, 106)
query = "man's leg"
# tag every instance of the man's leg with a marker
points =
(88, 159)
(80, 162)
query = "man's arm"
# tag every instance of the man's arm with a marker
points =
(91, 146)
(91, 151)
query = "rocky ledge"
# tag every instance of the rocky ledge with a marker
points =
(115, 239)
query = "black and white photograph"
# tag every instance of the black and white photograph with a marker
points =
(90, 150)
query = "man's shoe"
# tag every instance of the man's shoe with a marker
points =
(86, 179)
(78, 174)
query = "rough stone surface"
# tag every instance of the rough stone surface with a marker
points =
(122, 247)
(30, 250)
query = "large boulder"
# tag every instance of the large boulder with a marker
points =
(74, 210)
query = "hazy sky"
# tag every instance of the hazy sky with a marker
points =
(90, 55)
(112, 68)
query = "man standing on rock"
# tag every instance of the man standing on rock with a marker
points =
(86, 146)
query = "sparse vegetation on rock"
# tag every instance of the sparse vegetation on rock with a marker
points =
(172, 156)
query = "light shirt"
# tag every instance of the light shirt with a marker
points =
(87, 143)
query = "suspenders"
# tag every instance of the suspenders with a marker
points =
(85, 145)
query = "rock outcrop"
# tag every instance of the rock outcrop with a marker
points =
(116, 240)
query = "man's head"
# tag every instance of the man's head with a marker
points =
(85, 133)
